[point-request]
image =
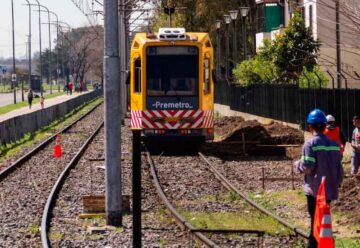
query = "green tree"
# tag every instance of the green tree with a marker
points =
(294, 50)
(290, 58)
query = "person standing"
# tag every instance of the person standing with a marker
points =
(320, 158)
(334, 133)
(355, 144)
(42, 100)
(30, 98)
(70, 87)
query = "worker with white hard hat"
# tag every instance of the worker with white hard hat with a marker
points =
(334, 133)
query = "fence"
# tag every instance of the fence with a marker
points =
(290, 103)
(15, 128)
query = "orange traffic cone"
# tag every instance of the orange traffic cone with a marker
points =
(322, 221)
(57, 148)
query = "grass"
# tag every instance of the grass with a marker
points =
(296, 200)
(248, 219)
(10, 107)
(244, 218)
(217, 115)
(33, 229)
(56, 236)
(27, 141)
(347, 243)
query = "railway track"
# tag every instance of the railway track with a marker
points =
(26, 184)
(51, 200)
(18, 163)
(203, 234)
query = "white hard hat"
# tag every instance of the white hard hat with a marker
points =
(330, 118)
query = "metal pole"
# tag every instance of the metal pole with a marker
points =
(13, 46)
(244, 36)
(112, 114)
(29, 79)
(50, 81)
(136, 185)
(227, 55)
(338, 48)
(40, 51)
(57, 49)
(234, 43)
(218, 53)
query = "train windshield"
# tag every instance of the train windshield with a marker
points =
(172, 71)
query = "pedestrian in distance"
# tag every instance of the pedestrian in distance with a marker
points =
(334, 133)
(30, 98)
(71, 87)
(320, 158)
(42, 100)
(67, 88)
(355, 144)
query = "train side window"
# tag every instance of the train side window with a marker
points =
(206, 76)
(137, 84)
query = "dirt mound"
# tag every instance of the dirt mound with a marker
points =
(232, 128)
(281, 134)
(349, 198)
(226, 125)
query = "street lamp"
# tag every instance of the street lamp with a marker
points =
(227, 22)
(49, 23)
(244, 12)
(57, 49)
(233, 15)
(41, 64)
(13, 77)
(218, 48)
(29, 76)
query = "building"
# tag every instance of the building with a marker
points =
(320, 17)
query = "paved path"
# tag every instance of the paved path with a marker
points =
(8, 98)
(48, 103)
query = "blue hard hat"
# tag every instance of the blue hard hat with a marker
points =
(316, 117)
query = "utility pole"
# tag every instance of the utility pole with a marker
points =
(338, 48)
(57, 49)
(40, 51)
(49, 56)
(112, 114)
(29, 76)
(122, 41)
(13, 78)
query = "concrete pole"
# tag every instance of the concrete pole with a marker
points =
(122, 41)
(50, 81)
(112, 114)
(40, 50)
(29, 78)
(13, 48)
(57, 49)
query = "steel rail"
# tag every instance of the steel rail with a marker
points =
(230, 186)
(18, 163)
(50, 203)
(179, 219)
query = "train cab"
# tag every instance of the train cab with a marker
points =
(172, 85)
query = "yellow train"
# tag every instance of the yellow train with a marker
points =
(172, 85)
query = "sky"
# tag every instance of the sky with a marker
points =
(65, 9)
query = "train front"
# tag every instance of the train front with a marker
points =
(178, 91)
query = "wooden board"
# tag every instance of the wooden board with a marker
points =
(96, 203)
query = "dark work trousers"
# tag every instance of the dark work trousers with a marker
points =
(311, 204)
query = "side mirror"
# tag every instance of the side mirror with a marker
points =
(214, 78)
(127, 78)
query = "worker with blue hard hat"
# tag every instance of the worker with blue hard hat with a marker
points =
(320, 158)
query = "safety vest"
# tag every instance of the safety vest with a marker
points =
(334, 135)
